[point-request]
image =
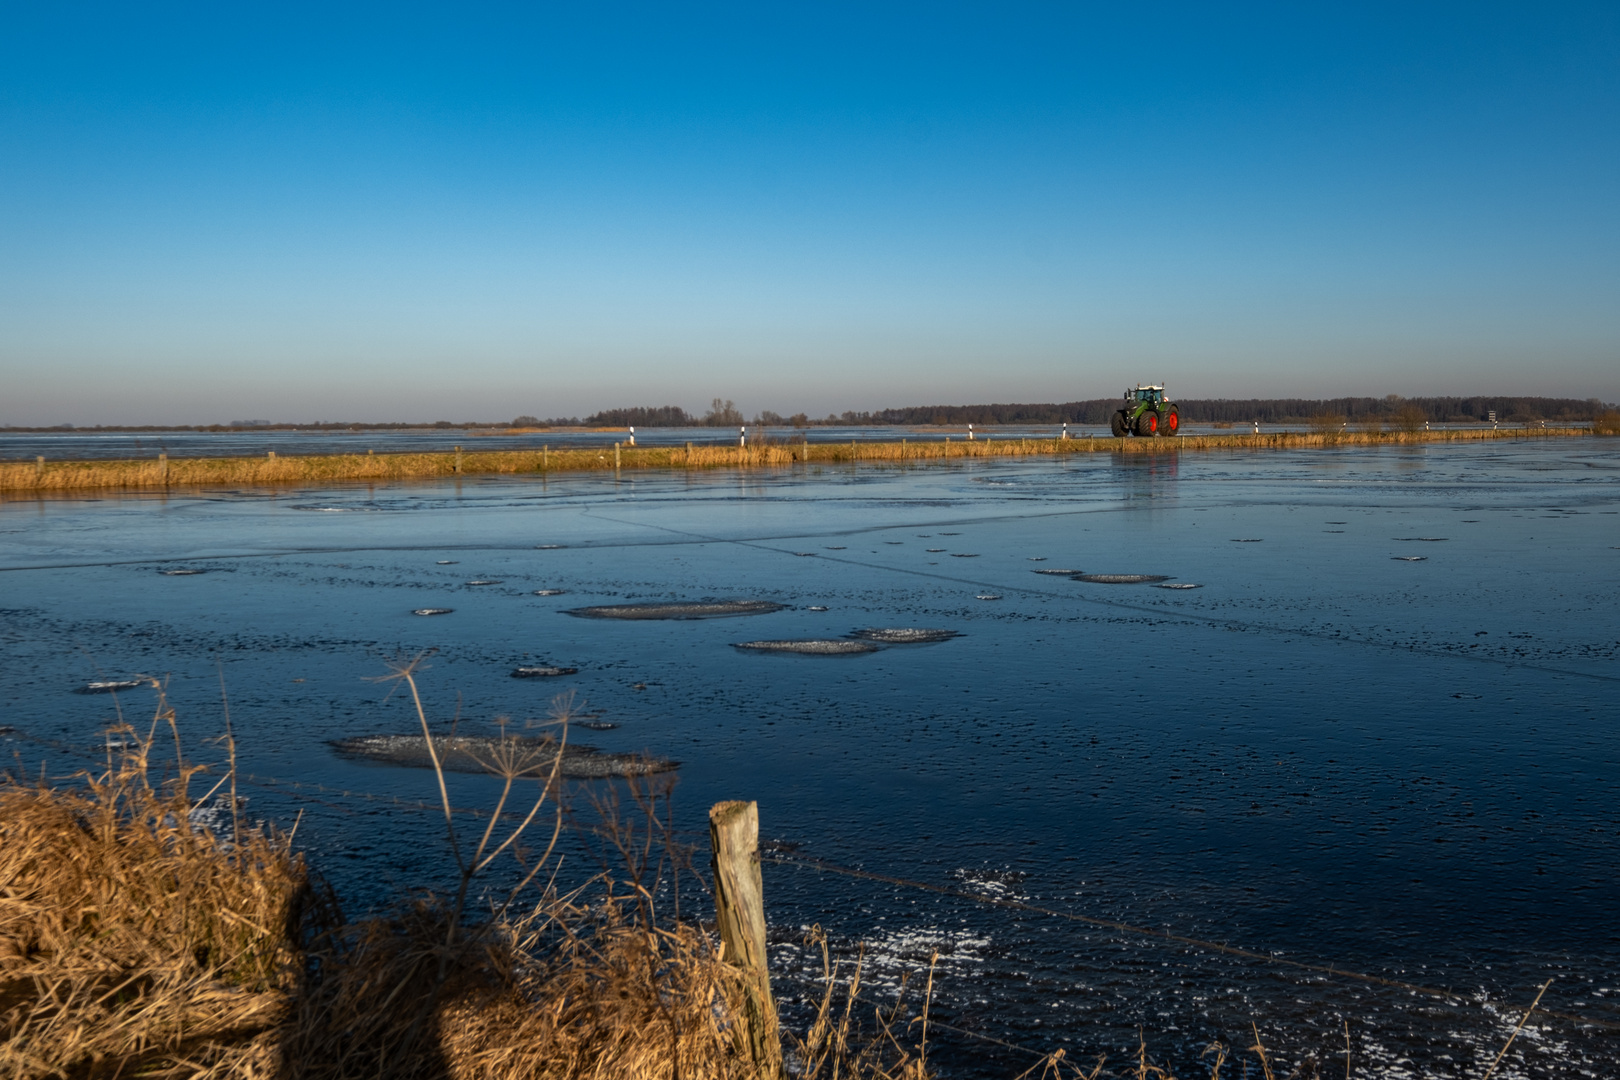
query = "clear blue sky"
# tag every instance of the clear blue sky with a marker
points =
(229, 211)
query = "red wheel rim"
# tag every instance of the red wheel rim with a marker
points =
(1173, 422)
(1150, 423)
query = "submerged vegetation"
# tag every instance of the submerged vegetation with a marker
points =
(761, 451)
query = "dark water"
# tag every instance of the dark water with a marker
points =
(1402, 768)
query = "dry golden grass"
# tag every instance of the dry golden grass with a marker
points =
(134, 942)
(1607, 423)
(69, 476)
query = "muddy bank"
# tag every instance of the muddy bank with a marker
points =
(527, 755)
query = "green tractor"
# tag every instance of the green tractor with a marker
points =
(1146, 412)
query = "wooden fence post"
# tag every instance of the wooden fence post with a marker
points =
(458, 459)
(163, 468)
(39, 470)
(615, 457)
(739, 909)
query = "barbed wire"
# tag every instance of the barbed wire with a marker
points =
(299, 789)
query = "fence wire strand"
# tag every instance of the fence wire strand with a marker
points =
(301, 790)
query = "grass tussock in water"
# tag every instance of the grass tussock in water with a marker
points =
(145, 931)
(28, 476)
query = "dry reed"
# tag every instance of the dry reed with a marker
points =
(134, 941)
(22, 477)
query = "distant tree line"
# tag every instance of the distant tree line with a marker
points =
(724, 413)
(1098, 410)
(1238, 410)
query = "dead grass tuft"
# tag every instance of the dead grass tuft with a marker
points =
(133, 940)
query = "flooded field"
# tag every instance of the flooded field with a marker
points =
(1380, 736)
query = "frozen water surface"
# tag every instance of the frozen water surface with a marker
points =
(1402, 768)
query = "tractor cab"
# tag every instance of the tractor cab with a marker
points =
(1153, 396)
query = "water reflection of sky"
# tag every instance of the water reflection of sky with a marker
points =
(1406, 768)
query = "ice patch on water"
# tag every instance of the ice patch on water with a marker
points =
(543, 672)
(705, 609)
(109, 686)
(525, 755)
(887, 957)
(904, 635)
(1122, 579)
(181, 573)
(988, 596)
(1409, 558)
(484, 581)
(432, 611)
(996, 884)
(1055, 572)
(809, 647)
(1177, 585)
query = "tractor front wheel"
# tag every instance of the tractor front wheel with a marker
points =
(1148, 424)
(1119, 425)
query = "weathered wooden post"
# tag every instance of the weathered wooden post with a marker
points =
(39, 470)
(615, 457)
(739, 910)
(458, 459)
(270, 456)
(163, 468)
(545, 457)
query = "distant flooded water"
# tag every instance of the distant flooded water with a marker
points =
(1380, 737)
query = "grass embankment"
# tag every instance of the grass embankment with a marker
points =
(20, 476)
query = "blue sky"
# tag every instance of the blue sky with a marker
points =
(406, 211)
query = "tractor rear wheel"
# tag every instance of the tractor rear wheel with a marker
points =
(1171, 424)
(1147, 423)
(1119, 425)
